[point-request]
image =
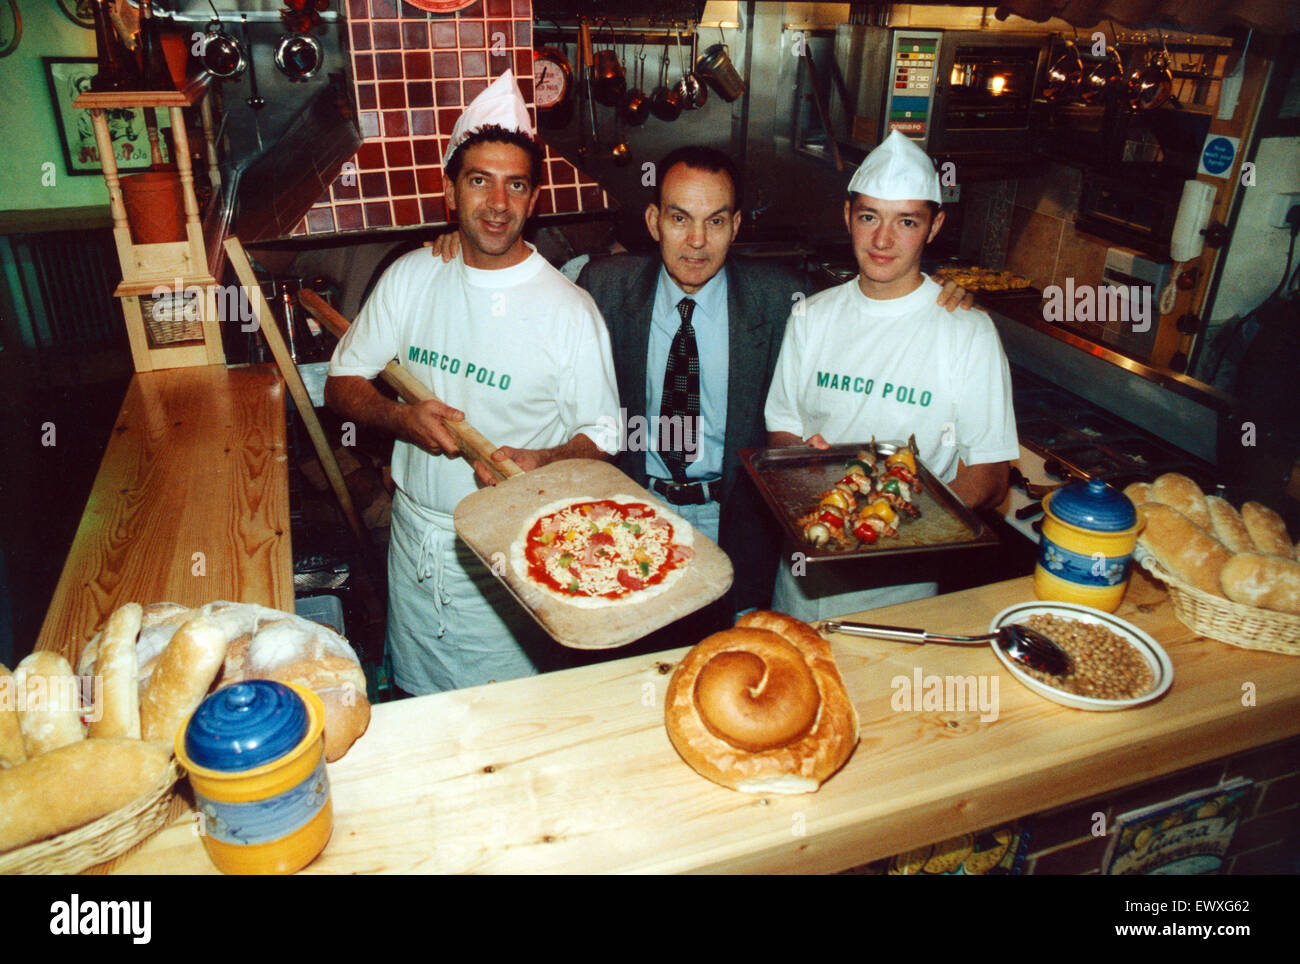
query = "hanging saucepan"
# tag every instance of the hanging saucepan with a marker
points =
(636, 105)
(608, 81)
(665, 101)
(1105, 80)
(1152, 83)
(1064, 76)
(222, 55)
(299, 56)
(694, 93)
(715, 66)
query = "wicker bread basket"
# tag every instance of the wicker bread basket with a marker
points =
(1229, 622)
(100, 840)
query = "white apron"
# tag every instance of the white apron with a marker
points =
(451, 623)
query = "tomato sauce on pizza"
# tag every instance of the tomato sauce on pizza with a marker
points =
(604, 549)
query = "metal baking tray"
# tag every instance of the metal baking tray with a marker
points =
(792, 479)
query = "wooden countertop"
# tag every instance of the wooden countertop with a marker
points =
(196, 464)
(573, 771)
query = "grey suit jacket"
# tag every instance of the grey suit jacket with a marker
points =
(760, 296)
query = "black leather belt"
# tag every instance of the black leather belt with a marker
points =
(686, 493)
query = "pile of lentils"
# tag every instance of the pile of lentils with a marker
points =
(1106, 666)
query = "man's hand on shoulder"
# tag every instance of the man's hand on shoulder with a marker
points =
(954, 296)
(781, 440)
(445, 246)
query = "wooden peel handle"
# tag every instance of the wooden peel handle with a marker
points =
(468, 437)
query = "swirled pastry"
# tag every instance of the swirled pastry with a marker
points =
(761, 707)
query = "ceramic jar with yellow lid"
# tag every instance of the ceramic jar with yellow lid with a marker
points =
(1086, 548)
(255, 756)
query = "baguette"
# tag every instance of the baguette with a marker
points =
(12, 752)
(1267, 530)
(49, 711)
(119, 714)
(1183, 548)
(1181, 493)
(181, 679)
(73, 785)
(1267, 582)
(1227, 525)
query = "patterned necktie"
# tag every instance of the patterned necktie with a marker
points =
(680, 409)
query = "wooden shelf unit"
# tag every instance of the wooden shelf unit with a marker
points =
(148, 268)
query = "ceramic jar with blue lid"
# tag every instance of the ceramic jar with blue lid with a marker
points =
(1086, 550)
(255, 756)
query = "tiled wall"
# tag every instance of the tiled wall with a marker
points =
(1266, 841)
(1027, 226)
(413, 72)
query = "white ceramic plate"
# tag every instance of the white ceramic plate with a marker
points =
(1151, 651)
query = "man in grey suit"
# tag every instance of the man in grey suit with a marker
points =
(738, 316)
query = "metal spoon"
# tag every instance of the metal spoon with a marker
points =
(1021, 643)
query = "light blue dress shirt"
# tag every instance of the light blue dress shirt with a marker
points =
(710, 323)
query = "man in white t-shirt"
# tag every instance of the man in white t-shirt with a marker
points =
(877, 357)
(497, 332)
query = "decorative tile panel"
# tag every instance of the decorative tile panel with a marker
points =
(412, 74)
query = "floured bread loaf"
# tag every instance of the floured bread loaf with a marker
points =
(74, 784)
(1183, 548)
(49, 713)
(761, 708)
(1179, 492)
(1267, 530)
(1268, 582)
(1227, 526)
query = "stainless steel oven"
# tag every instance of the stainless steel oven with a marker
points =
(963, 95)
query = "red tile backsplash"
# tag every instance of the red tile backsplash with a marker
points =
(398, 154)
(413, 72)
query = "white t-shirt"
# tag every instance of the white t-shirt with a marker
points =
(852, 367)
(522, 351)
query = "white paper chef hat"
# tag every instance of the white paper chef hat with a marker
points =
(501, 104)
(897, 170)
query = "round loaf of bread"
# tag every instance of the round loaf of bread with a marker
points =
(761, 707)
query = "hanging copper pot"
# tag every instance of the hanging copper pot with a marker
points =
(609, 82)
(635, 107)
(665, 101)
(1105, 80)
(1064, 76)
(1151, 84)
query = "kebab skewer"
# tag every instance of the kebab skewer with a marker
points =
(865, 504)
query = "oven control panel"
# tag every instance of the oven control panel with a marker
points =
(914, 65)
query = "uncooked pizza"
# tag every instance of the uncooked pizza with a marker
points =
(982, 279)
(594, 553)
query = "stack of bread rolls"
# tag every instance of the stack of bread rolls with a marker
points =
(243, 641)
(1247, 556)
(57, 773)
(761, 708)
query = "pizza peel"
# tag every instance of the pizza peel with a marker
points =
(491, 519)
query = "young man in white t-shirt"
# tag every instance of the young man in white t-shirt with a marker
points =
(876, 357)
(497, 332)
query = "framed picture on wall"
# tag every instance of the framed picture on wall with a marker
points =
(69, 77)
